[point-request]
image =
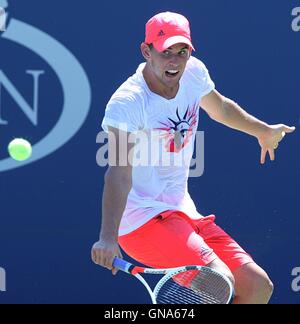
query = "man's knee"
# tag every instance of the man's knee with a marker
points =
(253, 284)
(264, 286)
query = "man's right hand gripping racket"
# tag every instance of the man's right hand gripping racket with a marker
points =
(183, 285)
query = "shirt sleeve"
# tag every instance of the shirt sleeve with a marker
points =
(123, 113)
(200, 77)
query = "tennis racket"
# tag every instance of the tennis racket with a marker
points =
(183, 285)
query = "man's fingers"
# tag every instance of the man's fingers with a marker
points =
(287, 129)
(115, 270)
(272, 154)
(93, 255)
(264, 153)
(97, 259)
(281, 136)
(107, 262)
(104, 255)
(271, 144)
(263, 156)
(100, 259)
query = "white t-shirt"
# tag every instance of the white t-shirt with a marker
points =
(166, 132)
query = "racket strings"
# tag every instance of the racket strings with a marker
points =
(194, 287)
(212, 286)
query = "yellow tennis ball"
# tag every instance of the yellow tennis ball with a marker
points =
(20, 149)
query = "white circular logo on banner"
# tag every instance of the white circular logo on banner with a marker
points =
(74, 82)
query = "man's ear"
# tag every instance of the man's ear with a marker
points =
(146, 51)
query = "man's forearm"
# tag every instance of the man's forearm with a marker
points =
(116, 189)
(234, 116)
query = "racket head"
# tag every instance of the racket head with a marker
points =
(194, 285)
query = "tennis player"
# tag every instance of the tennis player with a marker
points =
(147, 210)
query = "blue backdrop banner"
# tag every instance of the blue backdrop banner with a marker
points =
(60, 62)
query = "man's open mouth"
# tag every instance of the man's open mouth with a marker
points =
(172, 73)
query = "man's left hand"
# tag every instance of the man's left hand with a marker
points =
(269, 141)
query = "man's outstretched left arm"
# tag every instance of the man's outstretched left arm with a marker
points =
(229, 113)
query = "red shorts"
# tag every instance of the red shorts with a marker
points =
(172, 239)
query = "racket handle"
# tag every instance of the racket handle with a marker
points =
(122, 265)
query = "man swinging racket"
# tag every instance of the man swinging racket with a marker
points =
(147, 210)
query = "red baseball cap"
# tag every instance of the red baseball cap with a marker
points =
(167, 29)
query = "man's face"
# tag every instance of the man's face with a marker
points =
(169, 65)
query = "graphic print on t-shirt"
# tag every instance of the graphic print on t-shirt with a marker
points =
(178, 133)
